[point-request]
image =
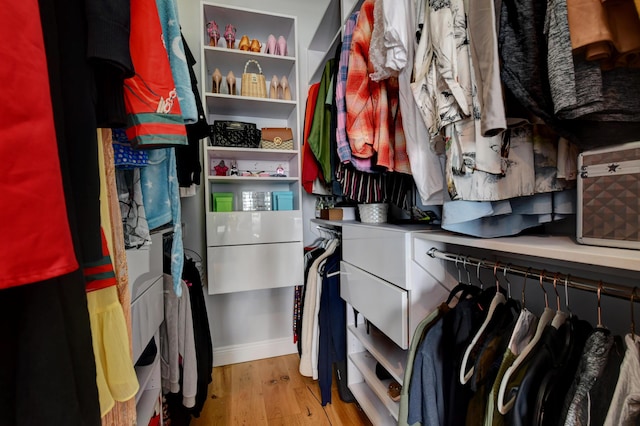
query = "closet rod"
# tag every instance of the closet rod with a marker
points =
(585, 284)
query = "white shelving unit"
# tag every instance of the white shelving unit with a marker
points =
(329, 33)
(271, 235)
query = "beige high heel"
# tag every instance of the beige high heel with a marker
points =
(231, 83)
(273, 88)
(216, 79)
(286, 90)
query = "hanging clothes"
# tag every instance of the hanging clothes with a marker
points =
(342, 141)
(318, 138)
(311, 170)
(172, 39)
(373, 116)
(427, 165)
(623, 408)
(153, 111)
(310, 331)
(40, 249)
(188, 157)
(178, 352)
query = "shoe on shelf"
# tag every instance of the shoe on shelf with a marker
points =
(271, 45)
(244, 43)
(286, 90)
(216, 79)
(231, 83)
(394, 391)
(281, 46)
(255, 46)
(214, 33)
(230, 35)
(273, 88)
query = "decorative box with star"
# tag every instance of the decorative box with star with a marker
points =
(609, 196)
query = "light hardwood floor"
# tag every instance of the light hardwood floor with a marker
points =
(272, 392)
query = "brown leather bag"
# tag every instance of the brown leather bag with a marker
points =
(276, 138)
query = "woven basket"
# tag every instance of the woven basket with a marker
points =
(253, 84)
(373, 213)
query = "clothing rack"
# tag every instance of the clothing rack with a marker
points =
(614, 290)
(334, 232)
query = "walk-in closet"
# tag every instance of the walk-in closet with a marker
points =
(328, 212)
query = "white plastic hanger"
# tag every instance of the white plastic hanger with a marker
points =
(498, 299)
(545, 318)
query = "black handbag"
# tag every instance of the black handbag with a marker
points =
(235, 133)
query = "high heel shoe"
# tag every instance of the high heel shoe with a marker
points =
(273, 88)
(231, 83)
(281, 47)
(286, 90)
(255, 46)
(271, 45)
(230, 35)
(216, 79)
(244, 43)
(214, 33)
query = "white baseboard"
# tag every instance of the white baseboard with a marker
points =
(234, 354)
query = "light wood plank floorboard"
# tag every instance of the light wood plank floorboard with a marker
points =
(271, 392)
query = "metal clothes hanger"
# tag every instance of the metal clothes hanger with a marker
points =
(545, 319)
(504, 276)
(561, 316)
(566, 294)
(498, 299)
(633, 318)
(599, 291)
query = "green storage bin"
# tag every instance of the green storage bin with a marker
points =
(223, 202)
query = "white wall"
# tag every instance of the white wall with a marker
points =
(250, 317)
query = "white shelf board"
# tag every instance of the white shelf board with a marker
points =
(237, 179)
(331, 19)
(145, 407)
(145, 375)
(371, 405)
(234, 153)
(235, 60)
(392, 358)
(366, 364)
(236, 105)
(551, 247)
(317, 59)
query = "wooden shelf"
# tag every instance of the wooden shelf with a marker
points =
(387, 353)
(548, 247)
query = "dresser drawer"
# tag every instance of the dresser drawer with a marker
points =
(382, 252)
(254, 267)
(235, 228)
(147, 313)
(384, 304)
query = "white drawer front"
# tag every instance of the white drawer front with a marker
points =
(378, 251)
(254, 267)
(147, 313)
(384, 304)
(236, 228)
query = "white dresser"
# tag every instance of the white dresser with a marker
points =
(380, 280)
